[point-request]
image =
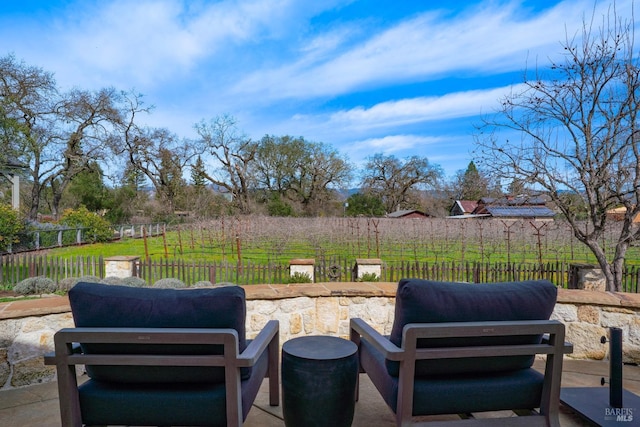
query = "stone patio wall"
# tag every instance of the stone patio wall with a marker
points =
(27, 327)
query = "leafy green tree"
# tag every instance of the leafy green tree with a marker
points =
(97, 228)
(303, 172)
(128, 198)
(88, 189)
(472, 184)
(364, 204)
(278, 207)
(161, 157)
(276, 163)
(10, 226)
(198, 174)
(124, 203)
(171, 180)
(133, 178)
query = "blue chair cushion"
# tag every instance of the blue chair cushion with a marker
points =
(425, 301)
(112, 306)
(460, 393)
(107, 403)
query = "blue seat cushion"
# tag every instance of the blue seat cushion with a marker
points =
(111, 306)
(425, 301)
(158, 404)
(460, 393)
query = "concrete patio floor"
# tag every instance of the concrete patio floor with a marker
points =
(37, 406)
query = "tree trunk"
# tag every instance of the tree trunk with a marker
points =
(612, 271)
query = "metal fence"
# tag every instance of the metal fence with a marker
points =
(44, 238)
(14, 268)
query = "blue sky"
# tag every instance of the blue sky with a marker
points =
(399, 77)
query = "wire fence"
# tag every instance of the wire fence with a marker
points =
(58, 237)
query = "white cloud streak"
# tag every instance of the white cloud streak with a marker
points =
(492, 37)
(422, 109)
(147, 42)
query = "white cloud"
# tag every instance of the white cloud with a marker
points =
(392, 144)
(492, 37)
(148, 42)
(422, 109)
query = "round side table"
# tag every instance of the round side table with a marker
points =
(319, 375)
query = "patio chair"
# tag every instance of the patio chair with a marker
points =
(161, 357)
(460, 348)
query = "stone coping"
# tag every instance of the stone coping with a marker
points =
(60, 304)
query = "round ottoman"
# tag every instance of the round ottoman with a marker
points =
(319, 375)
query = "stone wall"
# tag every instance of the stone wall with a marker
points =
(27, 327)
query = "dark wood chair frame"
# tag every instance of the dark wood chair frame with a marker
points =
(68, 355)
(553, 346)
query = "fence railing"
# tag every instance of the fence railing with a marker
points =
(69, 236)
(16, 267)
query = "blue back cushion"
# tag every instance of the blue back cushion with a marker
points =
(111, 306)
(425, 301)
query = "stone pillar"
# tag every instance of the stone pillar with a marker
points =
(368, 266)
(587, 276)
(120, 266)
(303, 266)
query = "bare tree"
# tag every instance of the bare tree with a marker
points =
(234, 152)
(161, 157)
(576, 127)
(395, 181)
(85, 122)
(27, 95)
(56, 134)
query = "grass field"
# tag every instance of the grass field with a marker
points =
(268, 240)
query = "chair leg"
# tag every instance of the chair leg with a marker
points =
(68, 396)
(274, 373)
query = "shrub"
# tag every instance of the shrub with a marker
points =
(203, 284)
(68, 283)
(277, 207)
(89, 279)
(225, 284)
(169, 283)
(111, 280)
(10, 226)
(35, 286)
(369, 277)
(298, 277)
(134, 282)
(97, 229)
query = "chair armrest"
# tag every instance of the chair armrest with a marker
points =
(382, 344)
(567, 347)
(50, 357)
(257, 346)
(66, 340)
